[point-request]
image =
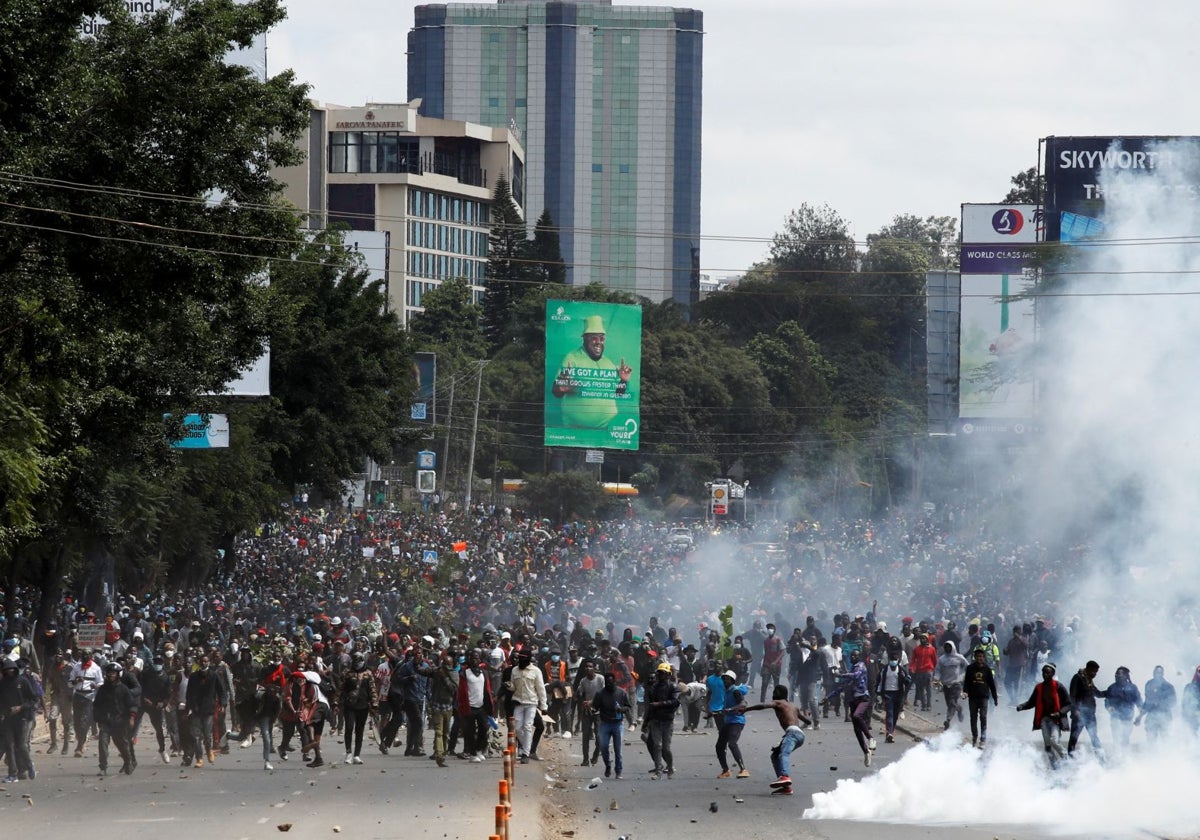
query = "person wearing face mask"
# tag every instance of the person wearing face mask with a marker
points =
(156, 694)
(891, 684)
(116, 712)
(200, 703)
(772, 662)
(557, 688)
(528, 690)
(86, 678)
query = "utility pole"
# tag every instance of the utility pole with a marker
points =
(446, 445)
(474, 432)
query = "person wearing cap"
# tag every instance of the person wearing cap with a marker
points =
(1050, 703)
(662, 701)
(589, 384)
(733, 721)
(18, 709)
(116, 712)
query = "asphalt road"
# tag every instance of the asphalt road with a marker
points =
(392, 796)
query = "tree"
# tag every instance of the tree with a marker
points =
(139, 216)
(508, 272)
(341, 369)
(1028, 187)
(545, 253)
(562, 496)
(815, 246)
(450, 325)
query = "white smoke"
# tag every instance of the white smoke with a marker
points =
(947, 782)
(1118, 469)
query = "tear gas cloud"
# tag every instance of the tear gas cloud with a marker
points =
(1116, 467)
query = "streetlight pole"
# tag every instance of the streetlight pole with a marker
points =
(474, 433)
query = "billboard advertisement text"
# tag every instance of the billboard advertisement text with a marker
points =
(996, 331)
(593, 374)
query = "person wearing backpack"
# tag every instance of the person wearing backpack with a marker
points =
(360, 698)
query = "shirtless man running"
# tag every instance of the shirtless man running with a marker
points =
(789, 718)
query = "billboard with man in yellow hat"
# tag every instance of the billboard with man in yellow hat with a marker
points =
(593, 374)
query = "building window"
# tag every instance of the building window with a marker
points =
(597, 167)
(493, 101)
(373, 151)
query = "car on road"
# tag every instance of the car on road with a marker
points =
(680, 538)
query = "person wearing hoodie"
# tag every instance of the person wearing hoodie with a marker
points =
(951, 668)
(980, 684)
(1122, 699)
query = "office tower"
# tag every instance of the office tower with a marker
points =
(606, 100)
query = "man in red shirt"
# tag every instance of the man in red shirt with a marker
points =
(1050, 703)
(924, 660)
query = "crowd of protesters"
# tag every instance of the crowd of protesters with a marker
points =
(334, 625)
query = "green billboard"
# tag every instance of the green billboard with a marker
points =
(593, 374)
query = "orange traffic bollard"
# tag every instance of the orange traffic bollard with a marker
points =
(501, 821)
(505, 799)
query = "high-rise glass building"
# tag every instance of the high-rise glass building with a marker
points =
(606, 100)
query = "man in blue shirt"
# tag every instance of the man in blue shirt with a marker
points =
(733, 720)
(716, 694)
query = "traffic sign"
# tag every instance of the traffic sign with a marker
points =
(426, 460)
(426, 481)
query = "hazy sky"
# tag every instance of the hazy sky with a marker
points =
(875, 107)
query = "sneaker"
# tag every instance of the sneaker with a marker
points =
(316, 762)
(163, 757)
(53, 747)
(356, 760)
(867, 758)
(891, 739)
(349, 759)
(199, 762)
(618, 777)
(607, 771)
(32, 773)
(534, 757)
(249, 742)
(478, 759)
(524, 759)
(871, 744)
(782, 791)
(655, 776)
(782, 781)
(670, 772)
(584, 763)
(743, 773)
(946, 725)
(269, 767)
(212, 757)
(724, 774)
